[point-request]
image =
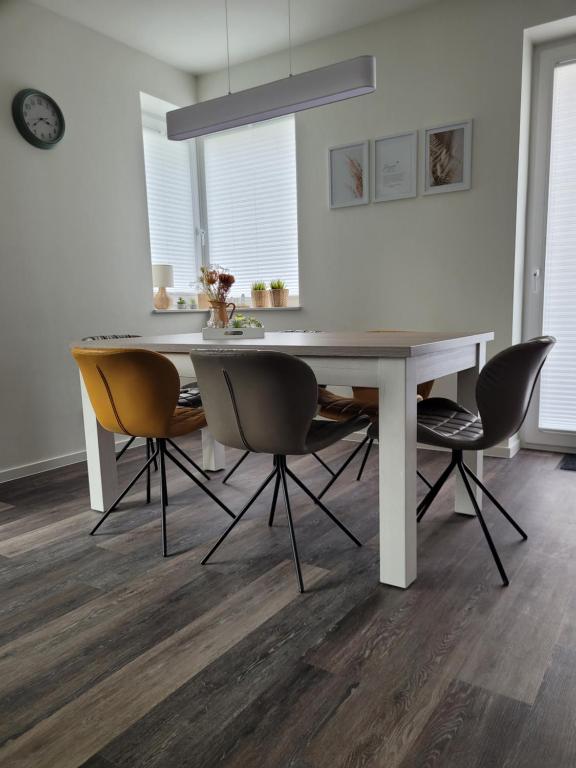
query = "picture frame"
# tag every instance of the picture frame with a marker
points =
(349, 174)
(394, 167)
(447, 158)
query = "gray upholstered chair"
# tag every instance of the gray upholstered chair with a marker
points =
(265, 402)
(503, 394)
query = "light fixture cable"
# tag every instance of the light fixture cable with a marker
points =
(290, 36)
(227, 45)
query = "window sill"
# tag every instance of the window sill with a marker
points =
(241, 310)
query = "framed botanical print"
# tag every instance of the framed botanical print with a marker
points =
(394, 167)
(447, 162)
(349, 175)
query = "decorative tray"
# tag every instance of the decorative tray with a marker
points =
(232, 334)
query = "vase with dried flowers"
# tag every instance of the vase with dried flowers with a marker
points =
(216, 283)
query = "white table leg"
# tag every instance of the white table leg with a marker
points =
(213, 454)
(466, 396)
(100, 457)
(397, 457)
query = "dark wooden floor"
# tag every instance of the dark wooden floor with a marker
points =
(112, 656)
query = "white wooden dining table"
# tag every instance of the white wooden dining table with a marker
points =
(393, 361)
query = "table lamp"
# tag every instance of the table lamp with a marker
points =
(162, 278)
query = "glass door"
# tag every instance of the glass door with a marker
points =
(550, 298)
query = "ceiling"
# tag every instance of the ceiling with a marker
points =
(190, 34)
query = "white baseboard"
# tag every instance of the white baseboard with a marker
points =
(506, 450)
(45, 465)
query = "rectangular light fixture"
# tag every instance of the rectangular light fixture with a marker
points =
(336, 82)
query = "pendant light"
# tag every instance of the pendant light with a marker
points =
(336, 82)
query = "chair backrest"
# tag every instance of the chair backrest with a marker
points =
(257, 401)
(113, 336)
(132, 391)
(505, 387)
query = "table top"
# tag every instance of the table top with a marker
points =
(309, 344)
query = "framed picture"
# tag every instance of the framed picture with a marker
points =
(349, 178)
(394, 167)
(447, 165)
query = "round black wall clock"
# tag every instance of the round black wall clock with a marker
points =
(38, 118)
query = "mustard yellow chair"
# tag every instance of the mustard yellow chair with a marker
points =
(135, 392)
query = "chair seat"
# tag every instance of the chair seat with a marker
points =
(324, 433)
(340, 408)
(185, 421)
(444, 423)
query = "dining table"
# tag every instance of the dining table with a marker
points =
(395, 362)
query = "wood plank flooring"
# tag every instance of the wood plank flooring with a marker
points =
(114, 657)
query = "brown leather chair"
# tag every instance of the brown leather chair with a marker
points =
(364, 401)
(135, 392)
(265, 402)
(503, 393)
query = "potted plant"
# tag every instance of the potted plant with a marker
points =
(245, 321)
(216, 283)
(193, 303)
(279, 293)
(181, 303)
(259, 294)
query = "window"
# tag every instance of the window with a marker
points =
(247, 198)
(251, 204)
(172, 200)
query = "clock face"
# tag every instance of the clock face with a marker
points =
(38, 118)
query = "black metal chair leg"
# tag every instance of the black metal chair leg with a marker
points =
(274, 498)
(365, 459)
(163, 499)
(206, 490)
(188, 459)
(424, 480)
(239, 516)
(283, 471)
(320, 460)
(148, 473)
(483, 525)
(496, 503)
(235, 467)
(151, 441)
(163, 482)
(324, 509)
(124, 448)
(124, 492)
(343, 467)
(434, 491)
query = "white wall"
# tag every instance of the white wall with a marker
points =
(74, 254)
(442, 261)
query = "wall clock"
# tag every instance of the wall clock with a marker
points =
(38, 118)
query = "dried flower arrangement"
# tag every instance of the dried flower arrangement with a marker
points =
(216, 282)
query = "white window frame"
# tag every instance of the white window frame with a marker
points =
(156, 121)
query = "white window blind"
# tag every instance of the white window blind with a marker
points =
(251, 207)
(171, 203)
(558, 390)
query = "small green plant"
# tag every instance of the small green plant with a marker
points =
(277, 284)
(243, 321)
(193, 303)
(259, 285)
(181, 301)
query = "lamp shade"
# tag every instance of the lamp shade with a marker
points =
(162, 275)
(314, 88)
